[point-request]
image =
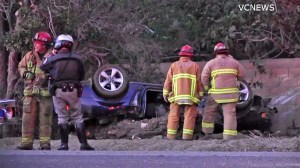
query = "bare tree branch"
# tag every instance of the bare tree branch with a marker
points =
(51, 27)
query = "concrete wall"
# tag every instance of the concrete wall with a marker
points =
(281, 83)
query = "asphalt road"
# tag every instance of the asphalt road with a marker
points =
(115, 159)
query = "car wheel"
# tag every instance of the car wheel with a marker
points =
(246, 95)
(110, 81)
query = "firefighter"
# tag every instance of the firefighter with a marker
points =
(182, 88)
(219, 78)
(37, 101)
(66, 71)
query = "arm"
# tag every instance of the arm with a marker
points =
(47, 65)
(168, 84)
(82, 71)
(241, 71)
(205, 76)
(22, 67)
(199, 84)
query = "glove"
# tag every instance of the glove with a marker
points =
(166, 98)
(28, 75)
(54, 51)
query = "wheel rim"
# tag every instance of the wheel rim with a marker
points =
(111, 79)
(244, 93)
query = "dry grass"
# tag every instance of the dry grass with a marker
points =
(256, 143)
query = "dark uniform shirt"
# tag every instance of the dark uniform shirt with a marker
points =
(64, 67)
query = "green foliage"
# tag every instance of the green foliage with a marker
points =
(144, 30)
(21, 38)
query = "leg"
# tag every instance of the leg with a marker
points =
(28, 122)
(60, 107)
(80, 131)
(173, 121)
(230, 122)
(45, 117)
(63, 119)
(209, 115)
(76, 116)
(64, 136)
(190, 114)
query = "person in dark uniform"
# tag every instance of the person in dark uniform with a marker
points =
(66, 70)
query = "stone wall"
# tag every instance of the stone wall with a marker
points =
(280, 82)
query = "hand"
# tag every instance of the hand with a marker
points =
(29, 75)
(166, 98)
(54, 51)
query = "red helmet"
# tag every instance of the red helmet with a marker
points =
(186, 51)
(42, 37)
(220, 48)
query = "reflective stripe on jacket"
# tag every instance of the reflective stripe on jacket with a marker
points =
(221, 75)
(183, 85)
(31, 62)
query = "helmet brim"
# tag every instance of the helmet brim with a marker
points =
(186, 54)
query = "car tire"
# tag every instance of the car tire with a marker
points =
(110, 81)
(246, 95)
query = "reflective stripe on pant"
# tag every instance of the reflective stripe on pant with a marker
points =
(230, 121)
(190, 114)
(61, 100)
(31, 109)
(229, 113)
(45, 119)
(28, 120)
(209, 115)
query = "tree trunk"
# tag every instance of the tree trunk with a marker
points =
(3, 72)
(3, 63)
(13, 73)
(13, 60)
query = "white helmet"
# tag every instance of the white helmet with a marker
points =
(64, 40)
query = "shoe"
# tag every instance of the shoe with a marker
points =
(80, 131)
(45, 147)
(207, 137)
(24, 147)
(63, 146)
(86, 147)
(187, 137)
(171, 137)
(64, 136)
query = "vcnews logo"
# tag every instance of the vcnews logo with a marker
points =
(258, 7)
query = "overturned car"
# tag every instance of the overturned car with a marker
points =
(112, 97)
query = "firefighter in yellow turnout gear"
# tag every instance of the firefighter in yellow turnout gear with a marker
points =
(37, 100)
(221, 75)
(182, 88)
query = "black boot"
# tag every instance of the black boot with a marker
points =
(64, 136)
(24, 147)
(80, 131)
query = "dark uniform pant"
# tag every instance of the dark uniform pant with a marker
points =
(63, 99)
(229, 113)
(33, 108)
(190, 114)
